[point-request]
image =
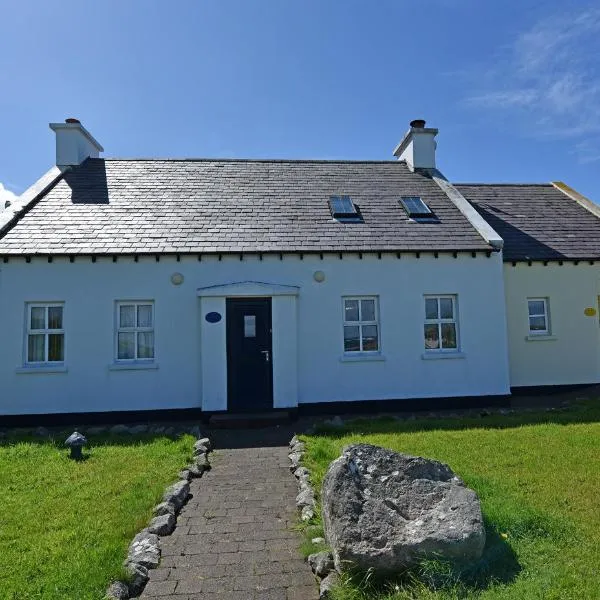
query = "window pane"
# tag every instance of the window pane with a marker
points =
(56, 347)
(55, 317)
(537, 323)
(367, 308)
(446, 308)
(370, 338)
(350, 310)
(536, 307)
(448, 335)
(431, 308)
(126, 346)
(144, 315)
(249, 326)
(38, 317)
(146, 344)
(36, 348)
(351, 338)
(432, 340)
(127, 315)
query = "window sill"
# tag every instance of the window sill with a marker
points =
(362, 357)
(32, 369)
(442, 355)
(540, 338)
(133, 366)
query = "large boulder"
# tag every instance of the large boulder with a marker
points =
(385, 511)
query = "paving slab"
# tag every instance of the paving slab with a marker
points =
(234, 538)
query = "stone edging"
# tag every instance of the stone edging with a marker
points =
(321, 563)
(144, 550)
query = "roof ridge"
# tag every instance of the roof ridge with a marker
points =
(248, 160)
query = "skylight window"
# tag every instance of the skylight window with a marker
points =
(415, 207)
(342, 207)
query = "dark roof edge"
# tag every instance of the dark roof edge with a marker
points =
(151, 253)
(10, 216)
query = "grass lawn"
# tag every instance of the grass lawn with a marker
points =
(538, 477)
(65, 526)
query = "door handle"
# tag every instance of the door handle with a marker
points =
(267, 355)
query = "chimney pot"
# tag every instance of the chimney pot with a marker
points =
(418, 123)
(72, 120)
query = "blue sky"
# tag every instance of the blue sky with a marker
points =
(513, 86)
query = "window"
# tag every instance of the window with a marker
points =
(415, 207)
(45, 334)
(135, 331)
(361, 324)
(538, 316)
(343, 208)
(440, 323)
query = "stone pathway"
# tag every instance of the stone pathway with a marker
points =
(234, 538)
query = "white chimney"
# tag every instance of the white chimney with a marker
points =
(74, 143)
(418, 146)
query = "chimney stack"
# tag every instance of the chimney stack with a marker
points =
(418, 146)
(74, 143)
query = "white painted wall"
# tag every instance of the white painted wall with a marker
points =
(190, 356)
(571, 355)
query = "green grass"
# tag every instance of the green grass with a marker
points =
(65, 526)
(538, 477)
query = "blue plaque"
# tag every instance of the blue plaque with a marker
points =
(213, 317)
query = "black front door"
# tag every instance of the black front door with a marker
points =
(249, 354)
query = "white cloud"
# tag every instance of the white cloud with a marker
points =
(6, 196)
(548, 81)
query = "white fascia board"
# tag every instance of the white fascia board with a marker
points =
(40, 187)
(579, 198)
(485, 230)
(248, 289)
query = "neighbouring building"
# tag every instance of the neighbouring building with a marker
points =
(246, 285)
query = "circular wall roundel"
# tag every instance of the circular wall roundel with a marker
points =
(213, 317)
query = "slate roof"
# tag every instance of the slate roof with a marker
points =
(110, 206)
(537, 222)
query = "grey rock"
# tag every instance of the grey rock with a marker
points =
(337, 421)
(196, 431)
(299, 447)
(41, 432)
(165, 508)
(201, 461)
(177, 493)
(137, 429)
(307, 513)
(185, 474)
(383, 510)
(294, 441)
(327, 584)
(321, 563)
(195, 471)
(301, 473)
(306, 497)
(295, 458)
(200, 449)
(138, 577)
(157, 429)
(117, 590)
(169, 430)
(204, 442)
(144, 550)
(119, 429)
(163, 524)
(318, 540)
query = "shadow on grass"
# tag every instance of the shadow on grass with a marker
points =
(580, 413)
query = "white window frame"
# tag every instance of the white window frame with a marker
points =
(360, 323)
(135, 330)
(545, 314)
(439, 321)
(46, 332)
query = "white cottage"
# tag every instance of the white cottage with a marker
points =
(247, 285)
